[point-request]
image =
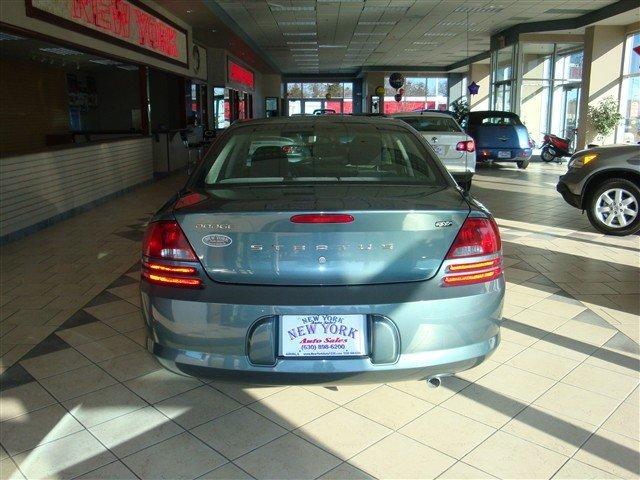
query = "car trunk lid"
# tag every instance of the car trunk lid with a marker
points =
(398, 234)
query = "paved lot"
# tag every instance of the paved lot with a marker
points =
(558, 399)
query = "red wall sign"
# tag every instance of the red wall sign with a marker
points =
(125, 22)
(239, 74)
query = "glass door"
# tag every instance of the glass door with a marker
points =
(570, 110)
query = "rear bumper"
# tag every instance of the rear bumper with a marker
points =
(415, 330)
(325, 371)
(491, 154)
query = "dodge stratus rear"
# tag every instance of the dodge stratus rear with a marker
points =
(345, 254)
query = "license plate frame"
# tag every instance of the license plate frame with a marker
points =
(299, 339)
(504, 154)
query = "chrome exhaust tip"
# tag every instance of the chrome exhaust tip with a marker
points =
(434, 382)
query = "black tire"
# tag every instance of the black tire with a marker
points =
(546, 155)
(591, 203)
(522, 164)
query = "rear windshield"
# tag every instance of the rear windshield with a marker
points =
(432, 124)
(496, 120)
(298, 152)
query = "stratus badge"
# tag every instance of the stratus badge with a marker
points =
(216, 240)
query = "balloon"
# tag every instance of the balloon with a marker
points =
(396, 80)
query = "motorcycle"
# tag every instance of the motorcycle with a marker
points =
(555, 147)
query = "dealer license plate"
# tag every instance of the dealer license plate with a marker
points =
(322, 335)
(504, 154)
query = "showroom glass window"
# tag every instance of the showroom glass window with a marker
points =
(567, 84)
(419, 93)
(310, 97)
(536, 63)
(629, 131)
(502, 79)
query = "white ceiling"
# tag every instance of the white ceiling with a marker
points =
(345, 35)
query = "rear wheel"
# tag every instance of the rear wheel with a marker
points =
(522, 164)
(546, 155)
(613, 207)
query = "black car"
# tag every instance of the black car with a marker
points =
(605, 181)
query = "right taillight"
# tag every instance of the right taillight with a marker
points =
(466, 146)
(165, 242)
(476, 253)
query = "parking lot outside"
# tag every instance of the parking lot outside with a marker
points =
(559, 398)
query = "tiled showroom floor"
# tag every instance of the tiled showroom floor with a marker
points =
(558, 399)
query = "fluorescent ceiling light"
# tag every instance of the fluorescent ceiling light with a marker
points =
(426, 43)
(302, 43)
(440, 34)
(367, 34)
(299, 34)
(365, 42)
(104, 61)
(376, 8)
(487, 9)
(377, 23)
(127, 67)
(340, 1)
(304, 49)
(332, 46)
(455, 24)
(287, 8)
(8, 36)
(298, 22)
(66, 51)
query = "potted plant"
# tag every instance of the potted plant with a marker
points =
(604, 117)
(460, 109)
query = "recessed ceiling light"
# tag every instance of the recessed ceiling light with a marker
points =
(298, 22)
(299, 34)
(189, 11)
(377, 23)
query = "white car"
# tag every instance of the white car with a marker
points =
(454, 147)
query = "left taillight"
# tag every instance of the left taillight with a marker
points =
(466, 146)
(476, 253)
(167, 256)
